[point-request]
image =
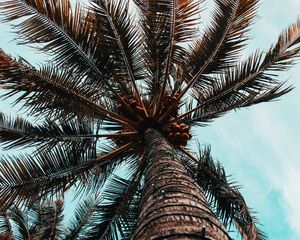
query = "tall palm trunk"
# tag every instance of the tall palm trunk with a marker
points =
(172, 206)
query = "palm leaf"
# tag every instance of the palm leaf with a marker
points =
(25, 179)
(157, 28)
(67, 36)
(229, 203)
(19, 223)
(50, 225)
(85, 212)
(182, 19)
(221, 43)
(21, 133)
(64, 33)
(5, 227)
(125, 41)
(115, 219)
(253, 81)
(115, 214)
(53, 92)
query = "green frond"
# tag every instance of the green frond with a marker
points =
(223, 195)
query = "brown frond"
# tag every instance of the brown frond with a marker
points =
(251, 82)
(27, 178)
(183, 20)
(53, 92)
(57, 30)
(67, 36)
(221, 43)
(50, 224)
(5, 227)
(125, 43)
(156, 22)
(18, 132)
(226, 198)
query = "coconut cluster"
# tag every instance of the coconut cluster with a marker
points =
(167, 101)
(133, 103)
(178, 133)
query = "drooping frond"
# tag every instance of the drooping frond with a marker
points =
(19, 223)
(5, 227)
(85, 212)
(114, 221)
(25, 179)
(253, 81)
(109, 215)
(50, 224)
(226, 198)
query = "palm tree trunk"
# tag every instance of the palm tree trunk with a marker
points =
(173, 206)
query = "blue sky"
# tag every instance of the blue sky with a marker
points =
(259, 146)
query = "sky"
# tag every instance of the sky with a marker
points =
(259, 146)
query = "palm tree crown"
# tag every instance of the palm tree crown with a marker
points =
(118, 70)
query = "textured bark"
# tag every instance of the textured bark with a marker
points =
(172, 206)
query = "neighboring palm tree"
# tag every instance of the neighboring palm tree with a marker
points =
(125, 85)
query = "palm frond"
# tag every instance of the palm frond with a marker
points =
(53, 92)
(85, 211)
(253, 81)
(156, 22)
(19, 223)
(21, 133)
(5, 227)
(67, 36)
(221, 43)
(25, 179)
(50, 224)
(116, 220)
(228, 202)
(219, 46)
(125, 41)
(62, 32)
(115, 214)
(183, 21)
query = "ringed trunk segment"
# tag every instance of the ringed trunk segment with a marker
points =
(173, 206)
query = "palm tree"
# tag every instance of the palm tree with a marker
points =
(126, 84)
